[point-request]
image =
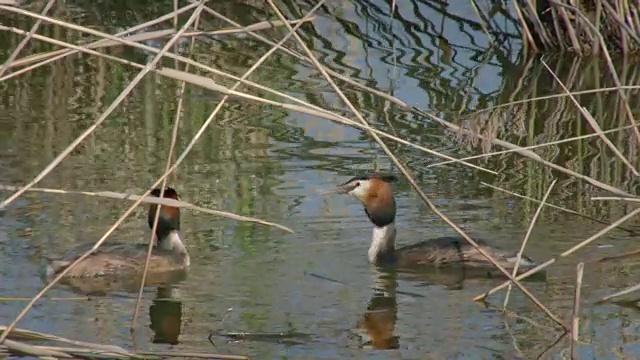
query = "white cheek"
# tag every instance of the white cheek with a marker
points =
(359, 192)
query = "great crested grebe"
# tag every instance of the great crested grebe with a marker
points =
(374, 191)
(169, 253)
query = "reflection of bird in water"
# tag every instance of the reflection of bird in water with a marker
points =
(379, 321)
(120, 265)
(165, 315)
(375, 193)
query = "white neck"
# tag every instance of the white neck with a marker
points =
(174, 244)
(383, 242)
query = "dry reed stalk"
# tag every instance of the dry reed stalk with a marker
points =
(102, 42)
(406, 173)
(619, 256)
(609, 62)
(174, 139)
(23, 334)
(575, 248)
(553, 96)
(55, 55)
(141, 47)
(308, 60)
(154, 200)
(169, 168)
(575, 325)
(618, 294)
(98, 122)
(26, 349)
(68, 150)
(210, 84)
(556, 207)
(51, 56)
(526, 239)
(24, 41)
(592, 122)
(526, 33)
(83, 298)
(526, 153)
(615, 198)
(557, 142)
(66, 352)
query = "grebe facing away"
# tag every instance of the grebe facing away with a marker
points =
(375, 193)
(169, 253)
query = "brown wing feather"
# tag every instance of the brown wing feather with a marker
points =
(117, 259)
(450, 251)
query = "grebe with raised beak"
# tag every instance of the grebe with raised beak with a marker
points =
(374, 191)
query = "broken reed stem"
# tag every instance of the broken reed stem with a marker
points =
(24, 41)
(526, 239)
(575, 248)
(556, 142)
(592, 122)
(98, 122)
(83, 298)
(68, 150)
(51, 56)
(553, 96)
(154, 200)
(575, 325)
(61, 352)
(573, 212)
(174, 139)
(526, 153)
(23, 334)
(169, 168)
(308, 60)
(210, 84)
(619, 256)
(605, 52)
(616, 198)
(618, 294)
(405, 172)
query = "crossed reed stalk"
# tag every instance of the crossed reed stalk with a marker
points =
(198, 74)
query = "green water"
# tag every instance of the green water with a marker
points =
(264, 161)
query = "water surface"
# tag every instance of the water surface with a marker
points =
(260, 160)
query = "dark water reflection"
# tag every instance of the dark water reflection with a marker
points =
(267, 162)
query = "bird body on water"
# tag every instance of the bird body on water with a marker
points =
(375, 193)
(126, 259)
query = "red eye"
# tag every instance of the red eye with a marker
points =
(357, 184)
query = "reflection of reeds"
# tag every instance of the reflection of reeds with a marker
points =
(16, 344)
(580, 26)
(563, 142)
(563, 121)
(410, 179)
(497, 127)
(193, 18)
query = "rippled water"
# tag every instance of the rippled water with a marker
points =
(263, 161)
